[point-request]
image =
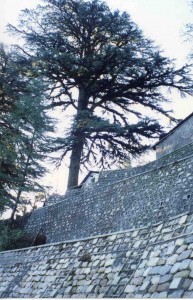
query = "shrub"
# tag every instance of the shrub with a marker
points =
(16, 238)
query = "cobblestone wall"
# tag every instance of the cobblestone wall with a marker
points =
(154, 261)
(182, 136)
(163, 190)
(109, 177)
(53, 199)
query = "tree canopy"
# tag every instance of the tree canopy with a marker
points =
(100, 64)
(24, 128)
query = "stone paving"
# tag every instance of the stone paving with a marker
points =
(154, 261)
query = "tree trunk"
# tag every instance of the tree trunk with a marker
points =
(75, 164)
(78, 140)
(15, 206)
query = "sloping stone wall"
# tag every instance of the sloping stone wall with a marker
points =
(108, 177)
(154, 261)
(164, 189)
(181, 136)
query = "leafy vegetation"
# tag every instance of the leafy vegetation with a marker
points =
(16, 237)
(24, 131)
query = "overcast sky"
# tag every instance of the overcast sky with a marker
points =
(161, 20)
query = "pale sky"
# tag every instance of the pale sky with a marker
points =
(161, 20)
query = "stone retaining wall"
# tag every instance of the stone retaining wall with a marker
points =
(108, 177)
(181, 136)
(163, 190)
(154, 261)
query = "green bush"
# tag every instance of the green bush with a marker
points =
(16, 238)
(12, 238)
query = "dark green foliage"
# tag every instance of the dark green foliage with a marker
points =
(10, 239)
(10, 82)
(24, 128)
(100, 64)
(15, 237)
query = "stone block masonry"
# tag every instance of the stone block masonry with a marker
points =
(111, 176)
(180, 136)
(149, 262)
(162, 190)
(130, 235)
